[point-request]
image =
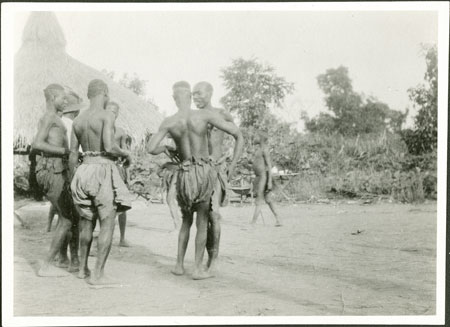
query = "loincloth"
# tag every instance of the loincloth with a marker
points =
(97, 188)
(196, 180)
(221, 190)
(52, 177)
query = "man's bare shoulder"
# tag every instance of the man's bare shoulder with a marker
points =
(169, 120)
(224, 113)
(48, 117)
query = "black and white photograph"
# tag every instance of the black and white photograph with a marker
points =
(224, 163)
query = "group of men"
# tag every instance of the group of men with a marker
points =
(84, 176)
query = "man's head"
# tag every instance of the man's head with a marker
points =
(97, 89)
(74, 105)
(181, 93)
(55, 95)
(261, 137)
(113, 107)
(202, 94)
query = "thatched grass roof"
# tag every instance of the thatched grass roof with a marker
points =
(42, 60)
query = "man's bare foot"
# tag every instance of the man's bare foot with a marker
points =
(74, 266)
(278, 224)
(103, 282)
(124, 244)
(63, 263)
(84, 273)
(178, 270)
(201, 274)
(212, 268)
(47, 270)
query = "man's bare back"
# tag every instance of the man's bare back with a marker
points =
(189, 132)
(88, 128)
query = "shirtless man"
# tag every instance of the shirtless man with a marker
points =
(70, 112)
(262, 185)
(52, 174)
(197, 175)
(98, 191)
(120, 138)
(202, 98)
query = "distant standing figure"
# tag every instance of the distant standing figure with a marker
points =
(121, 139)
(262, 185)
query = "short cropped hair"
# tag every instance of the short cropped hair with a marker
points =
(51, 89)
(181, 85)
(209, 88)
(96, 87)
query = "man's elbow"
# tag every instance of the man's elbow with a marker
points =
(36, 145)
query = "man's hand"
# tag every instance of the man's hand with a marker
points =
(230, 172)
(172, 153)
(128, 160)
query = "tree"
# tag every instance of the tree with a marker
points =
(252, 88)
(135, 84)
(351, 113)
(423, 137)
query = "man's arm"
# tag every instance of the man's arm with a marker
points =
(268, 163)
(40, 142)
(229, 127)
(107, 137)
(73, 157)
(153, 146)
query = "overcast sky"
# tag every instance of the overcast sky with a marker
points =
(380, 49)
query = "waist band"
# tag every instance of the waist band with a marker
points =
(98, 160)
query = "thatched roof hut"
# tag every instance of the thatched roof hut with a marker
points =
(42, 60)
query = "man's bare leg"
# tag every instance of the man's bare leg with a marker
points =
(200, 241)
(47, 269)
(103, 247)
(74, 245)
(256, 213)
(171, 200)
(51, 214)
(63, 259)
(122, 227)
(86, 229)
(269, 201)
(213, 240)
(183, 239)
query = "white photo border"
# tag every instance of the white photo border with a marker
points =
(7, 58)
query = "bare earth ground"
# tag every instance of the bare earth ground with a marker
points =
(311, 266)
